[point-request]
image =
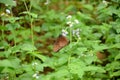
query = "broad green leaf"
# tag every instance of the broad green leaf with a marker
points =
(117, 73)
(8, 2)
(88, 6)
(13, 26)
(77, 68)
(15, 62)
(117, 56)
(27, 67)
(63, 72)
(82, 49)
(95, 68)
(42, 57)
(89, 58)
(100, 47)
(117, 45)
(26, 76)
(3, 28)
(28, 47)
(6, 63)
(30, 13)
(114, 65)
(35, 4)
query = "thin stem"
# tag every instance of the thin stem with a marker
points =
(70, 34)
(26, 6)
(3, 35)
(14, 34)
(69, 60)
(32, 35)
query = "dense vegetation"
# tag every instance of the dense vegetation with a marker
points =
(29, 28)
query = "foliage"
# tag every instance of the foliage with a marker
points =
(28, 29)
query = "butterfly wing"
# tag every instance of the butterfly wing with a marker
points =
(60, 43)
(56, 47)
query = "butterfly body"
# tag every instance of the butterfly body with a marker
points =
(60, 42)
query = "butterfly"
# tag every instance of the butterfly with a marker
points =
(60, 42)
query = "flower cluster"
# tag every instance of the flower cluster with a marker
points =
(105, 2)
(71, 22)
(8, 11)
(34, 63)
(47, 2)
(36, 75)
(76, 32)
(64, 32)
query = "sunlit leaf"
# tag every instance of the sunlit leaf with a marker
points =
(28, 47)
(8, 2)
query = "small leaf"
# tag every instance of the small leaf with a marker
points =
(117, 57)
(77, 68)
(6, 63)
(100, 47)
(3, 28)
(28, 47)
(88, 6)
(95, 68)
(8, 2)
(43, 58)
(117, 73)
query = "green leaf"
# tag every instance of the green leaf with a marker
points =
(15, 62)
(6, 63)
(82, 49)
(26, 76)
(30, 13)
(8, 2)
(101, 47)
(77, 68)
(63, 72)
(114, 65)
(43, 58)
(117, 57)
(117, 45)
(88, 6)
(28, 47)
(27, 67)
(117, 73)
(3, 28)
(35, 4)
(95, 68)
(12, 26)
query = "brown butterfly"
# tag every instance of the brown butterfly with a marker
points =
(60, 42)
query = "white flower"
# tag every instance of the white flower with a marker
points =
(71, 25)
(34, 63)
(76, 21)
(14, 1)
(35, 75)
(105, 2)
(47, 2)
(8, 11)
(2, 14)
(69, 17)
(64, 32)
(76, 32)
(7, 77)
(6, 4)
(69, 22)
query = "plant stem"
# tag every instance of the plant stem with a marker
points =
(3, 31)
(70, 34)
